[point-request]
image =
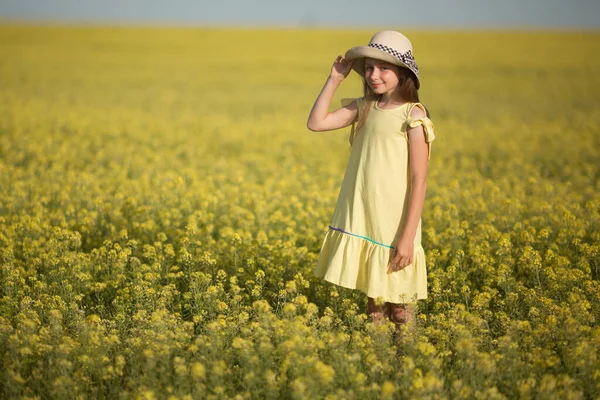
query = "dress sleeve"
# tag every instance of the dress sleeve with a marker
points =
(348, 100)
(427, 127)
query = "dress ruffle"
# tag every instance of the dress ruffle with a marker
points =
(356, 263)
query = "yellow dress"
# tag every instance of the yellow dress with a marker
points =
(371, 211)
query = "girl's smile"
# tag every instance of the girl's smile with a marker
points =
(381, 76)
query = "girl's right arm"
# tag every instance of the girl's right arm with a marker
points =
(320, 119)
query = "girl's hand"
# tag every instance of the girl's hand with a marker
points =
(340, 69)
(403, 255)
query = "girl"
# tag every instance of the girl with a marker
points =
(374, 240)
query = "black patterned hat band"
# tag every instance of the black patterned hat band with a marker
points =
(388, 46)
(407, 58)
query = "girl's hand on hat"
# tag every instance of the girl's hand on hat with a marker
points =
(403, 255)
(341, 68)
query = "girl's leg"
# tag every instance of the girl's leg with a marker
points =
(403, 316)
(377, 312)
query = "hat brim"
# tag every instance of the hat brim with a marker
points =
(359, 53)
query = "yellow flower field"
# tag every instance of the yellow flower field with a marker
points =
(162, 207)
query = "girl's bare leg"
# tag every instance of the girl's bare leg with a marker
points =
(403, 316)
(377, 312)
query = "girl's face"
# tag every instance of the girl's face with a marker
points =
(382, 77)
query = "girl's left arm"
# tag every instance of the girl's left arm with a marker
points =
(418, 150)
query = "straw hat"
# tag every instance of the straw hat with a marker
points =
(388, 46)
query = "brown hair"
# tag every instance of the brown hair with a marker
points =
(407, 89)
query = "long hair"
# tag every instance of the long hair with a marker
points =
(407, 89)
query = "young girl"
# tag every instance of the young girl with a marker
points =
(374, 239)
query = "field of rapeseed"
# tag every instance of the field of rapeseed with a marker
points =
(162, 206)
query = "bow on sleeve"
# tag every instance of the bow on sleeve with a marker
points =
(427, 127)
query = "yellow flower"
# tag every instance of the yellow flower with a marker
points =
(222, 306)
(270, 377)
(290, 287)
(94, 319)
(298, 387)
(289, 310)
(198, 370)
(219, 368)
(311, 310)
(147, 395)
(325, 372)
(387, 390)
(239, 343)
(261, 306)
(360, 379)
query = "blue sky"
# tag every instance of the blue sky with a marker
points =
(569, 14)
